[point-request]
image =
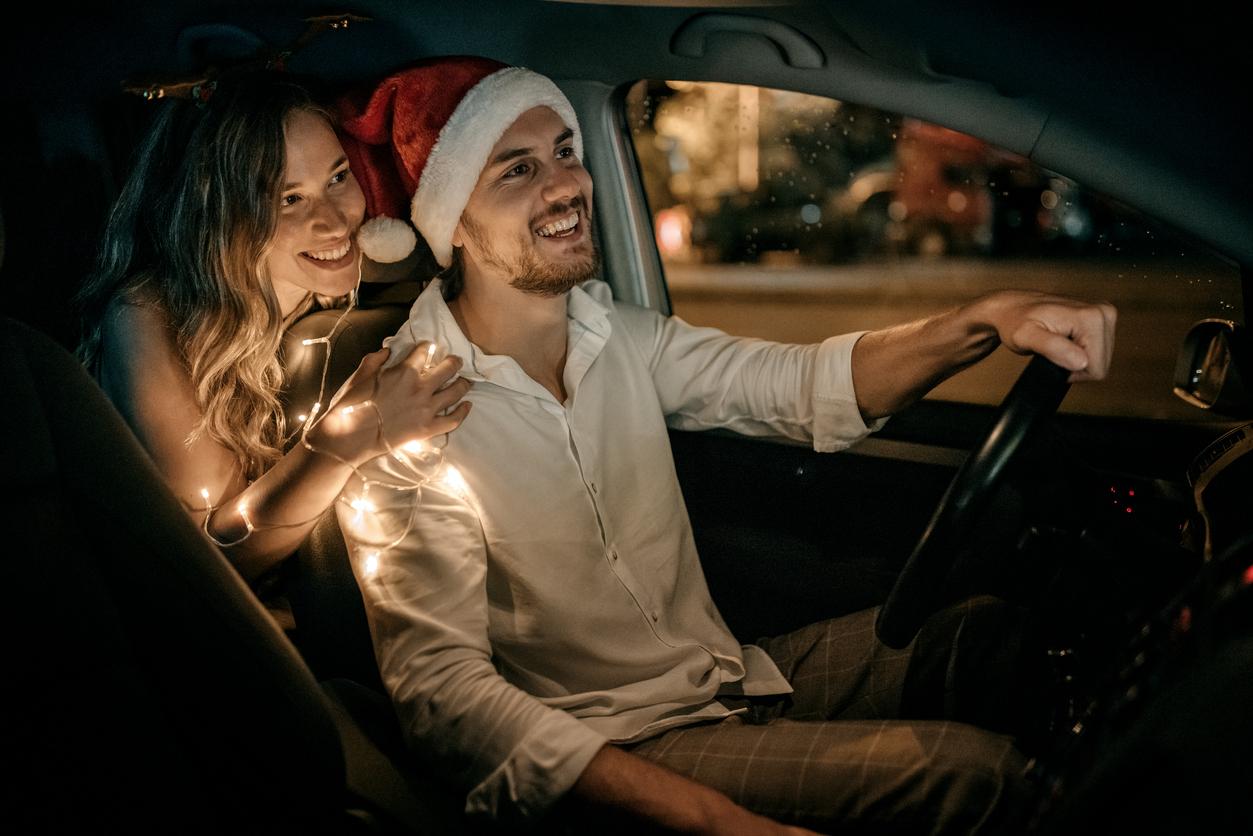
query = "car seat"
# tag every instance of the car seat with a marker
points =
(330, 616)
(149, 690)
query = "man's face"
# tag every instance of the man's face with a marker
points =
(529, 219)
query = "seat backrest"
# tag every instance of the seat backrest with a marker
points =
(331, 626)
(148, 689)
(330, 615)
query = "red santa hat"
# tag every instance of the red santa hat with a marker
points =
(418, 141)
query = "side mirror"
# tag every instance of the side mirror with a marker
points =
(1213, 367)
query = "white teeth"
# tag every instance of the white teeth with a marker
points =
(559, 226)
(331, 255)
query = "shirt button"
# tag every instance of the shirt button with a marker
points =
(613, 555)
(656, 616)
(594, 487)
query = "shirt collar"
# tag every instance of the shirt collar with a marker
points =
(431, 319)
(585, 309)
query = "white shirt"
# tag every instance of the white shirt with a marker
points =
(542, 594)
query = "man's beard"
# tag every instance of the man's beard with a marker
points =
(532, 274)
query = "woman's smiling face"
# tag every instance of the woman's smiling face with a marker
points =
(320, 208)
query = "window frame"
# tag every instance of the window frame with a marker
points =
(652, 282)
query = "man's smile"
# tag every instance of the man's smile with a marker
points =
(562, 228)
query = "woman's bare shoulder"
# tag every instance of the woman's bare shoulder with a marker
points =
(138, 307)
(143, 373)
(139, 355)
(136, 325)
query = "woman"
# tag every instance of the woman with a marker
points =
(239, 216)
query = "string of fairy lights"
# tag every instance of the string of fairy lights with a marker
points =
(424, 459)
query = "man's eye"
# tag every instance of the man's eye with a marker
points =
(565, 151)
(340, 176)
(289, 200)
(519, 170)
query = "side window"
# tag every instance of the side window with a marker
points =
(794, 217)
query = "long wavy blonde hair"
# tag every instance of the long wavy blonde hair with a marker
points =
(189, 234)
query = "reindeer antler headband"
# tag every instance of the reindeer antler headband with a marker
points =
(199, 87)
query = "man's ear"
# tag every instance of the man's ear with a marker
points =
(458, 239)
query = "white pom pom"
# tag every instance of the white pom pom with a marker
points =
(386, 240)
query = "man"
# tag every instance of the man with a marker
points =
(539, 613)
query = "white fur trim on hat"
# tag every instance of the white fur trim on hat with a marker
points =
(481, 118)
(386, 240)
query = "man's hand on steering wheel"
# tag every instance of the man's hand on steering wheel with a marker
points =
(893, 367)
(1078, 336)
(1072, 340)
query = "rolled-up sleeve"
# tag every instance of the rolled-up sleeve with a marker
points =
(837, 422)
(421, 563)
(708, 379)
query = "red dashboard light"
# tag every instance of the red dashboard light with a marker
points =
(1183, 621)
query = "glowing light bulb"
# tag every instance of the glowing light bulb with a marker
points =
(302, 418)
(416, 446)
(204, 493)
(361, 506)
(430, 357)
(453, 479)
(242, 508)
(371, 565)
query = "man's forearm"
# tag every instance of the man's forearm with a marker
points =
(654, 799)
(896, 366)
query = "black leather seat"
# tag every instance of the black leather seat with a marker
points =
(330, 616)
(148, 690)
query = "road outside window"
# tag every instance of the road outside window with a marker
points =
(793, 217)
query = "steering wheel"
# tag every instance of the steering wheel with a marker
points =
(1035, 396)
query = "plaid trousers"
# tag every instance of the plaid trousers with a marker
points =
(838, 756)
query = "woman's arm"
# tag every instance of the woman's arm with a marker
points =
(146, 379)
